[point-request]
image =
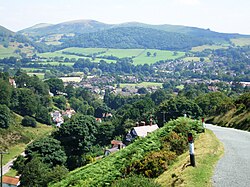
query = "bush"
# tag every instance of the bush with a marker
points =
(135, 181)
(29, 122)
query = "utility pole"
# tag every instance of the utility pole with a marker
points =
(2, 167)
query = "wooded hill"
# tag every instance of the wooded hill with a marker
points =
(90, 33)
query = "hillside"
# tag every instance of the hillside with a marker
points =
(149, 156)
(16, 137)
(52, 34)
(133, 37)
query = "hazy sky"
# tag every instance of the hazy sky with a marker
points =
(219, 15)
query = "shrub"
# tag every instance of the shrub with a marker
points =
(28, 121)
(135, 181)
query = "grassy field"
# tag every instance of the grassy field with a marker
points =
(58, 63)
(142, 84)
(203, 47)
(241, 41)
(7, 52)
(39, 75)
(160, 55)
(84, 51)
(139, 55)
(195, 59)
(71, 79)
(208, 150)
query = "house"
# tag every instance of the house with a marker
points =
(116, 146)
(141, 131)
(12, 82)
(10, 181)
(68, 113)
(57, 118)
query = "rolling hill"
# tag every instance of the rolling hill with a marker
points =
(87, 26)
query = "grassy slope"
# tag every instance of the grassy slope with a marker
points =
(212, 47)
(234, 119)
(241, 41)
(208, 150)
(16, 137)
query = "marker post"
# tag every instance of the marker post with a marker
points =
(191, 149)
(203, 124)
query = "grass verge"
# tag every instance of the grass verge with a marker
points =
(208, 150)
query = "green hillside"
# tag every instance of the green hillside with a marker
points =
(133, 37)
(148, 156)
(16, 137)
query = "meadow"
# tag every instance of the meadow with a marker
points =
(142, 84)
(241, 41)
(212, 47)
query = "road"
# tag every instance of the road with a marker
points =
(233, 169)
(7, 166)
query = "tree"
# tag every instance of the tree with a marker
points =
(55, 85)
(49, 149)
(5, 92)
(142, 90)
(19, 164)
(4, 116)
(78, 134)
(148, 54)
(27, 102)
(42, 115)
(60, 102)
(177, 107)
(155, 54)
(28, 121)
(35, 174)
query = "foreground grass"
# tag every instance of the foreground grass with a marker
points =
(208, 150)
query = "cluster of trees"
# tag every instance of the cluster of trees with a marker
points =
(30, 98)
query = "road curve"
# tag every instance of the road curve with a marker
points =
(233, 169)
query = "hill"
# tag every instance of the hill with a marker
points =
(133, 37)
(88, 26)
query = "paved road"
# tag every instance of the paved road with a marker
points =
(7, 166)
(233, 169)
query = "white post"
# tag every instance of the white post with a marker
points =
(191, 149)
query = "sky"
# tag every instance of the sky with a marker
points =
(229, 16)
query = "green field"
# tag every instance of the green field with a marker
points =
(39, 75)
(212, 47)
(160, 55)
(139, 55)
(7, 52)
(241, 41)
(84, 51)
(195, 59)
(58, 63)
(142, 84)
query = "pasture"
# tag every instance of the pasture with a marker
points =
(142, 84)
(7, 52)
(195, 59)
(241, 41)
(212, 47)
